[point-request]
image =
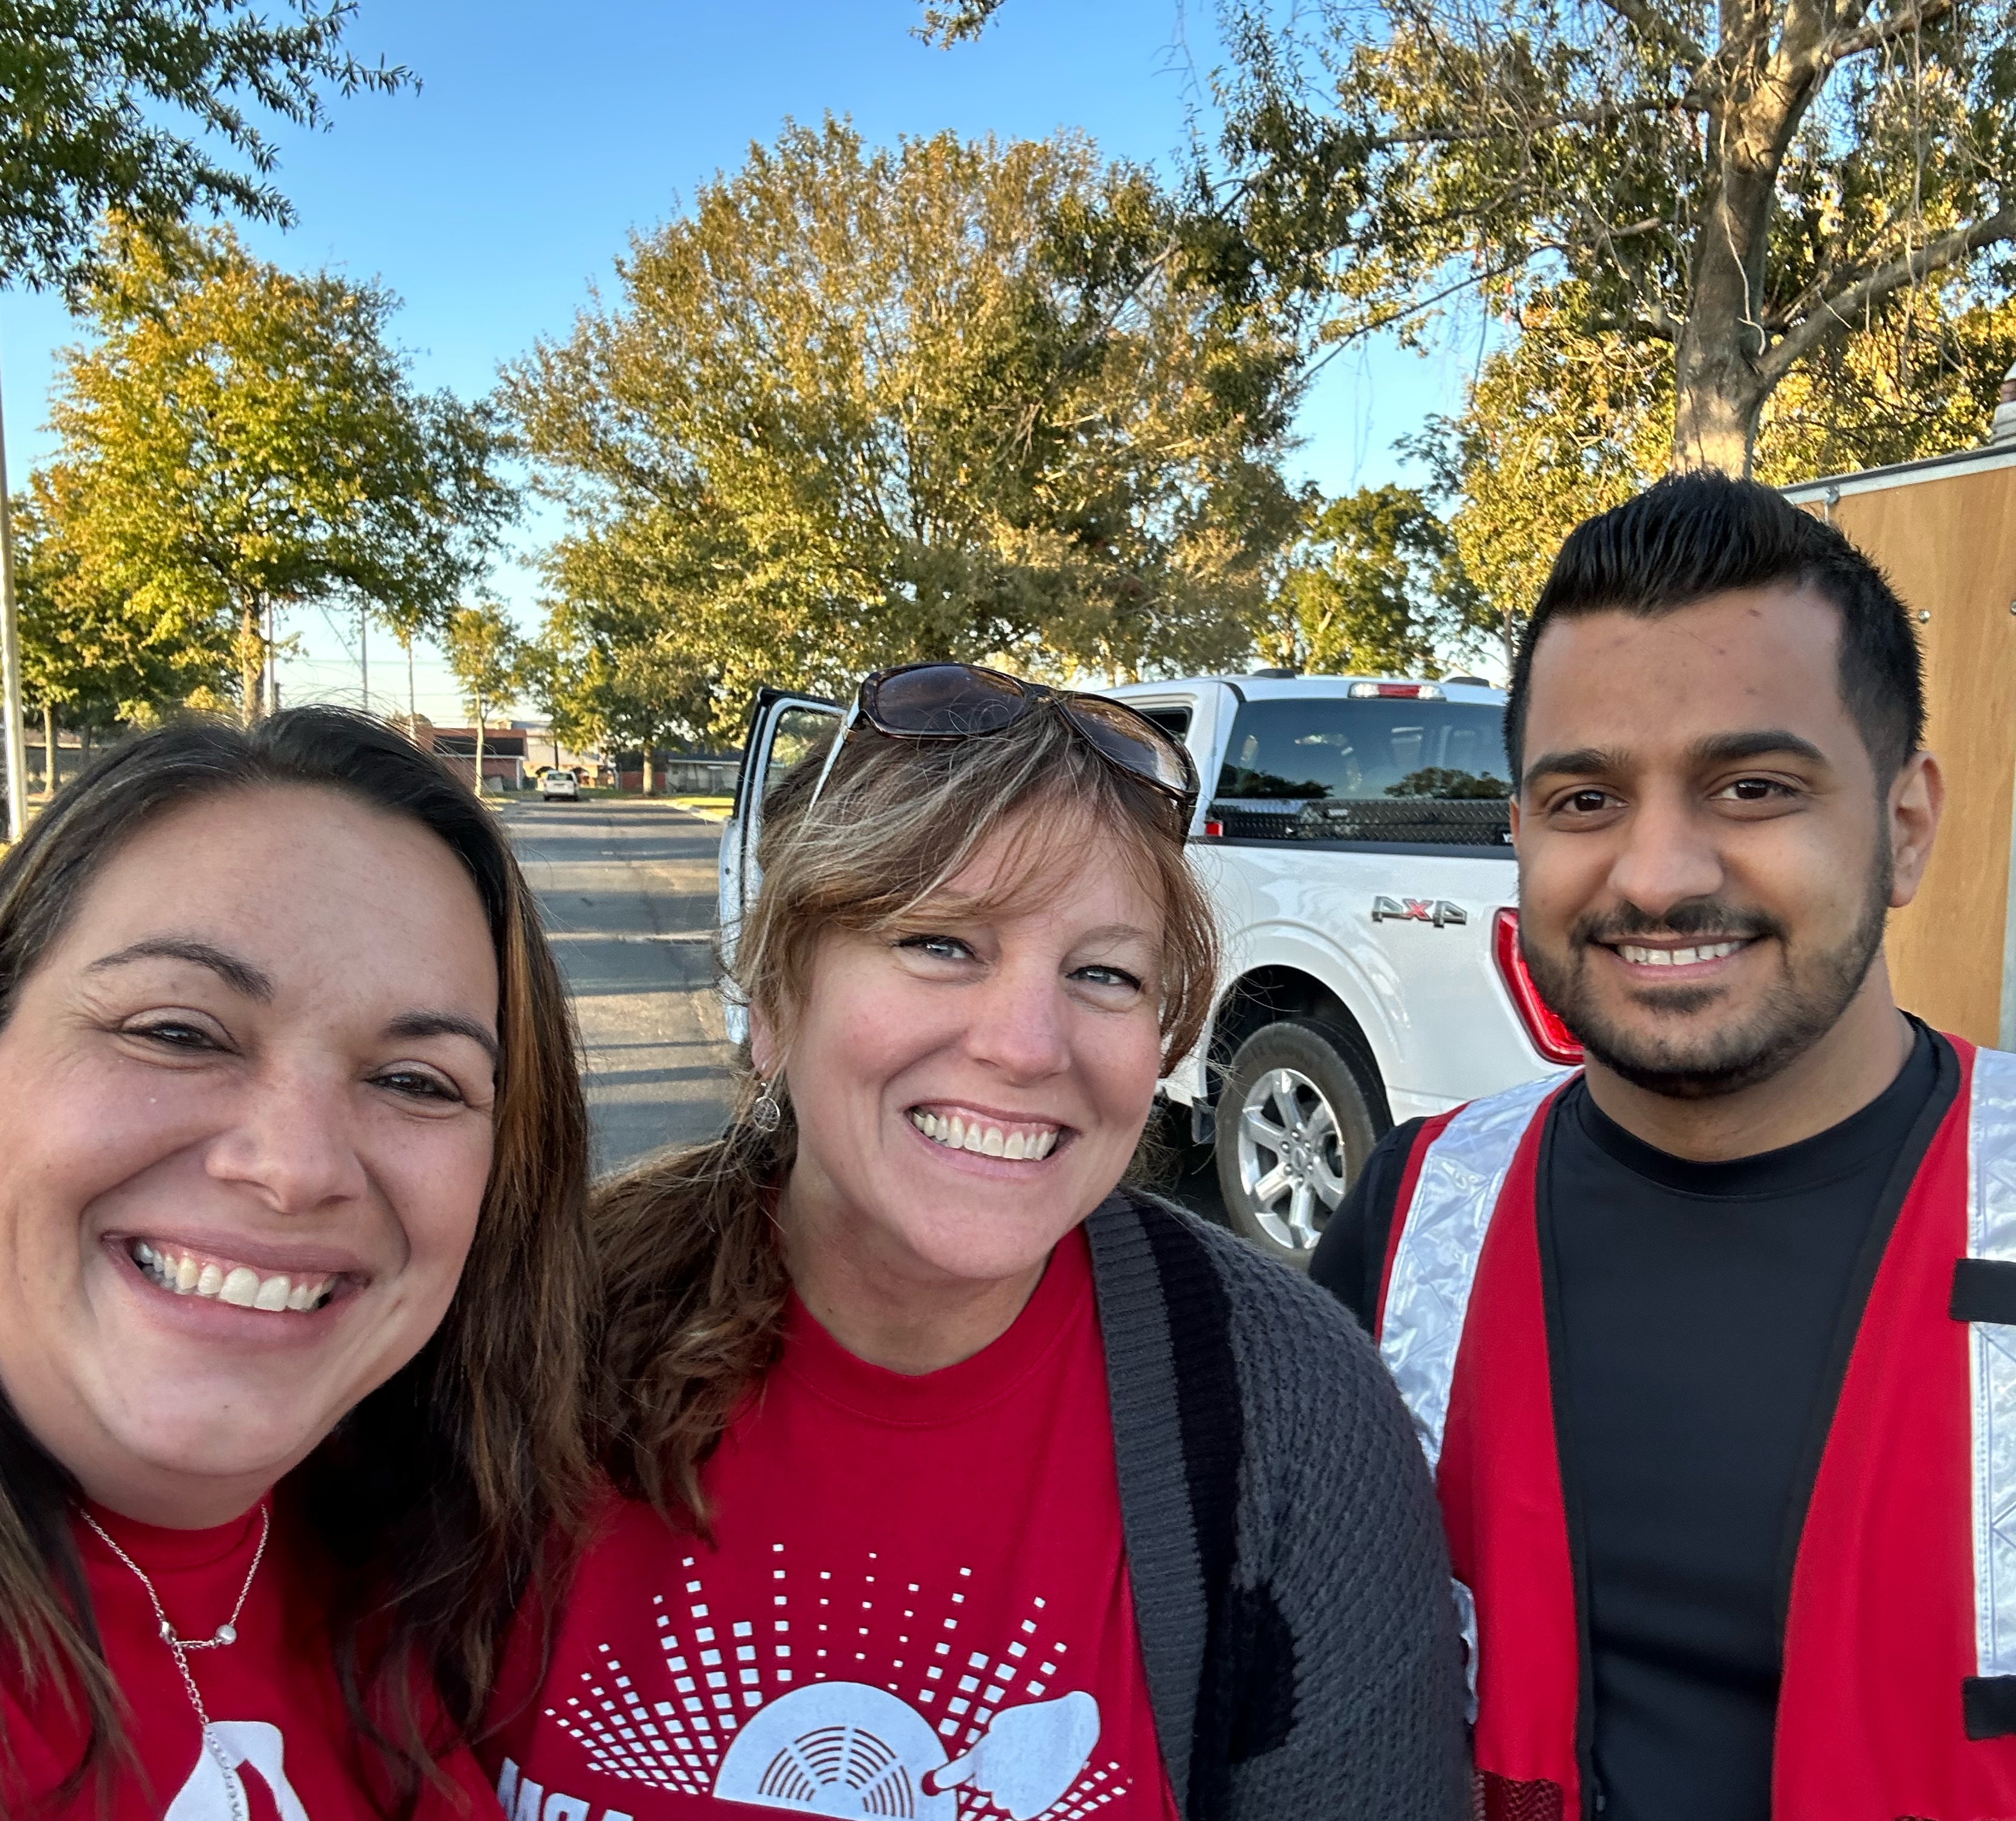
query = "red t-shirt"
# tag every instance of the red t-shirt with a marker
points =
(918, 1606)
(275, 1709)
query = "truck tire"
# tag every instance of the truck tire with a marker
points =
(1294, 1127)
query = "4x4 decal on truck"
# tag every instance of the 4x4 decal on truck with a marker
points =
(1438, 911)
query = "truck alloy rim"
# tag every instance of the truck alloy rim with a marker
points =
(1291, 1157)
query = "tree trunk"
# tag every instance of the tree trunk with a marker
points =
(251, 662)
(1718, 393)
(83, 743)
(1716, 406)
(479, 749)
(50, 773)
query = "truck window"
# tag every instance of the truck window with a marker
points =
(800, 731)
(1174, 722)
(1387, 769)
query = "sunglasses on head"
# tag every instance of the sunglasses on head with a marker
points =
(964, 701)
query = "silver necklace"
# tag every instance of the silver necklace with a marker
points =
(226, 1633)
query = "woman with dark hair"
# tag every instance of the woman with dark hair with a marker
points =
(965, 1480)
(292, 1167)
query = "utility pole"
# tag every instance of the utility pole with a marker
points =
(272, 659)
(10, 667)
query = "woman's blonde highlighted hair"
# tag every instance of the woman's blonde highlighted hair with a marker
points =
(694, 1267)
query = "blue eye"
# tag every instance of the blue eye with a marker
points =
(1100, 976)
(943, 948)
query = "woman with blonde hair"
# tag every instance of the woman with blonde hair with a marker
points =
(292, 1278)
(963, 1480)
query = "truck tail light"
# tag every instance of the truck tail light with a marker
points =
(1404, 692)
(1550, 1036)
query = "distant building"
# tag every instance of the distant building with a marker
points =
(503, 753)
(679, 774)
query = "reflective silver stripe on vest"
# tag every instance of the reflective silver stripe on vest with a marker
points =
(1441, 1239)
(1991, 1233)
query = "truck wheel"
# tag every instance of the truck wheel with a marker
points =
(1294, 1127)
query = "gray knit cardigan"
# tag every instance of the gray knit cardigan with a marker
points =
(1291, 1582)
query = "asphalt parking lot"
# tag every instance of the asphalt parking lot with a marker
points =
(628, 890)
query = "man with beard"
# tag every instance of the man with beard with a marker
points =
(1710, 1344)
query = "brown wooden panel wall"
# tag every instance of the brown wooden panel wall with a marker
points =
(1948, 547)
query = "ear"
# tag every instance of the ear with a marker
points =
(764, 1051)
(1917, 795)
(1512, 810)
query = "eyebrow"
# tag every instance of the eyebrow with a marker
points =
(1123, 933)
(444, 1024)
(1715, 749)
(1579, 763)
(240, 975)
(1722, 748)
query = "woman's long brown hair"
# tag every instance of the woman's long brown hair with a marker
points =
(692, 1268)
(439, 1499)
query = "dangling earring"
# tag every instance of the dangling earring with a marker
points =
(765, 1115)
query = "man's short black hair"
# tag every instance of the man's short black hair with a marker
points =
(1691, 536)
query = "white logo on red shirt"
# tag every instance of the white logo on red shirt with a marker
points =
(206, 1797)
(845, 1748)
(769, 1712)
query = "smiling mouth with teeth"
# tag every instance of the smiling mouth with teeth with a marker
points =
(1025, 1142)
(1644, 957)
(221, 1281)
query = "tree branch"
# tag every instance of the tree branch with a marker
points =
(1885, 31)
(1589, 117)
(947, 25)
(1400, 313)
(1838, 311)
(1656, 324)
(1657, 27)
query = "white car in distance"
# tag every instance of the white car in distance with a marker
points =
(559, 784)
(1354, 834)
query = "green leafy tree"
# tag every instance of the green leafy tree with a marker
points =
(484, 652)
(1561, 424)
(1375, 585)
(949, 400)
(1742, 189)
(130, 107)
(133, 107)
(613, 672)
(242, 440)
(90, 661)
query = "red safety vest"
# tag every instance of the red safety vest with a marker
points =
(1898, 1698)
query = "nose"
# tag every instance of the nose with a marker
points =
(1668, 855)
(1018, 1027)
(293, 1143)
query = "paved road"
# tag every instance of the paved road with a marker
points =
(627, 888)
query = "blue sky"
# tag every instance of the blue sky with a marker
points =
(543, 133)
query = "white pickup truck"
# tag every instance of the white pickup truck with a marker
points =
(1353, 832)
